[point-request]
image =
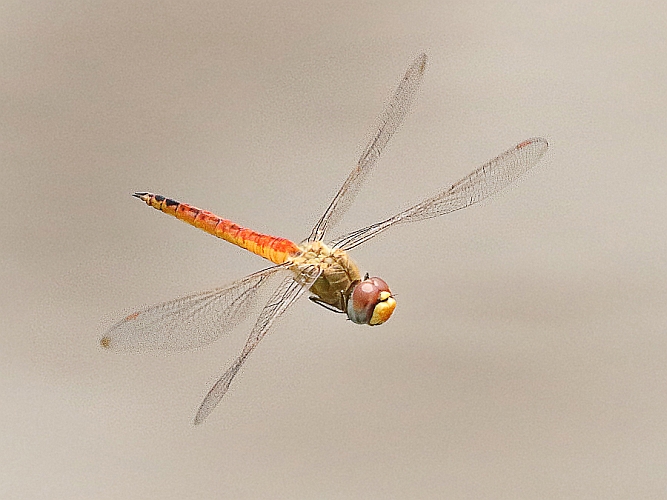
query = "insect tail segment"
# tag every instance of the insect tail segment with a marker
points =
(273, 248)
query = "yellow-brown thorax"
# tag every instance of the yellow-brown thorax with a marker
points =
(339, 273)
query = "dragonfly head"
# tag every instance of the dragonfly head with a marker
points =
(370, 302)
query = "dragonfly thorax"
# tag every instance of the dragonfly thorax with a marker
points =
(339, 272)
(340, 285)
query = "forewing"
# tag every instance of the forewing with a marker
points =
(285, 295)
(190, 321)
(390, 120)
(487, 180)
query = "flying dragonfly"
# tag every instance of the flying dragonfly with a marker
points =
(317, 265)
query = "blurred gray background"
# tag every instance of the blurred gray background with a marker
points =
(527, 357)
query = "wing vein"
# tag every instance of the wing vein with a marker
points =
(390, 120)
(485, 181)
(282, 298)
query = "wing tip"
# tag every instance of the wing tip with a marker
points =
(202, 413)
(105, 342)
(420, 62)
(542, 141)
(538, 142)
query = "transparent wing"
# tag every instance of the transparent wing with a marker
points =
(285, 295)
(190, 321)
(390, 120)
(487, 180)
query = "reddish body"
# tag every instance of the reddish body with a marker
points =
(273, 248)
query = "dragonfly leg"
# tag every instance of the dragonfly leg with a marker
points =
(326, 305)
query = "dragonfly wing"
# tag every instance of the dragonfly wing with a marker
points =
(285, 295)
(190, 321)
(487, 180)
(390, 120)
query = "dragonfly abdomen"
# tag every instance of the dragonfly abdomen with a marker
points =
(273, 248)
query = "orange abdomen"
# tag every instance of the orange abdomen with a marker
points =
(273, 248)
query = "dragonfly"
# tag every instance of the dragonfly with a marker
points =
(317, 265)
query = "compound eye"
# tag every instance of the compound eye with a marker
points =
(380, 284)
(371, 302)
